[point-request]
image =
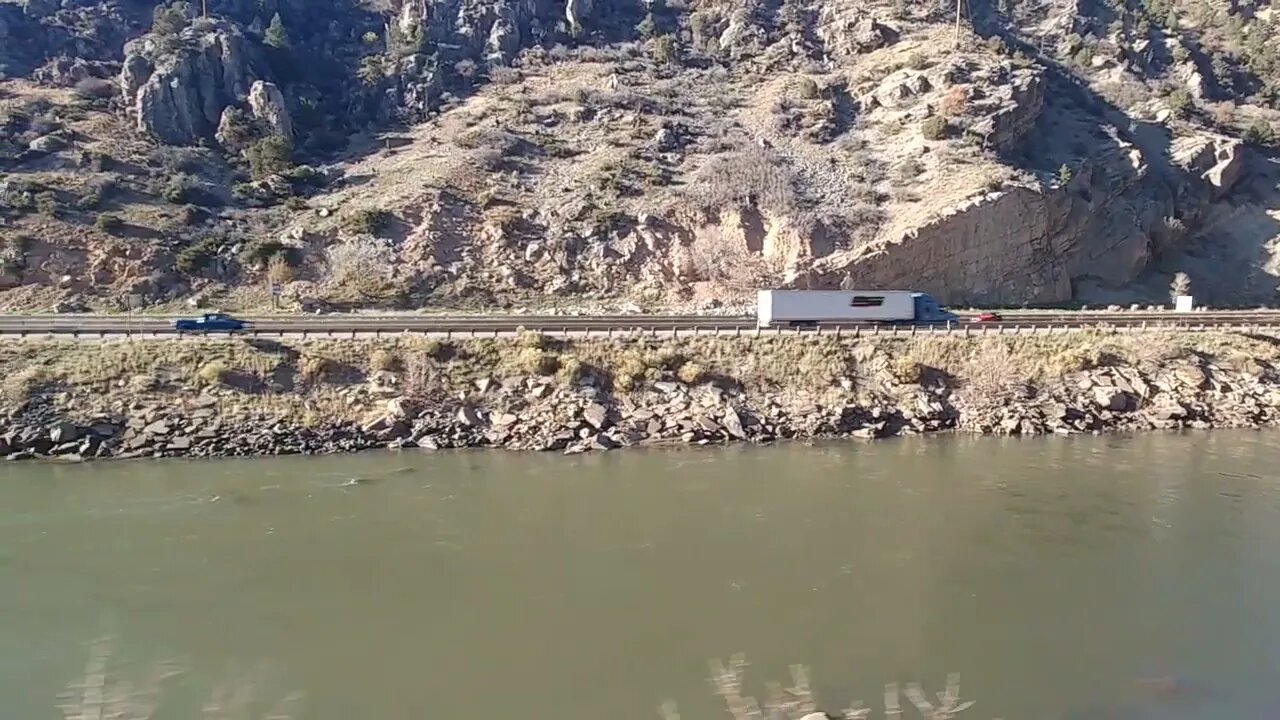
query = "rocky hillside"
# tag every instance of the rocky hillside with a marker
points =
(487, 153)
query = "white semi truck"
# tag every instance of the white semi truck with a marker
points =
(811, 307)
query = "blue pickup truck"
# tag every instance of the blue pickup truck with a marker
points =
(210, 322)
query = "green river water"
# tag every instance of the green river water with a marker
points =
(1052, 573)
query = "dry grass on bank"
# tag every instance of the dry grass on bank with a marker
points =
(262, 367)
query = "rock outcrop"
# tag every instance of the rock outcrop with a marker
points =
(268, 107)
(178, 88)
(1012, 246)
(1216, 159)
(1011, 110)
(21, 39)
(845, 33)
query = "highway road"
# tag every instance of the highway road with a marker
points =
(71, 325)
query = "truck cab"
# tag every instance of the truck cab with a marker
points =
(929, 311)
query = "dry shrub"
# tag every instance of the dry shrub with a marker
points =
(905, 172)
(1074, 359)
(954, 102)
(435, 349)
(489, 139)
(533, 361)
(19, 385)
(1223, 114)
(992, 371)
(812, 363)
(504, 75)
(417, 376)
(756, 177)
(212, 372)
(691, 373)
(314, 368)
(805, 87)
(629, 370)
(1156, 352)
(96, 89)
(571, 369)
(381, 360)
(1124, 94)
(532, 339)
(361, 265)
(278, 270)
(905, 369)
(666, 357)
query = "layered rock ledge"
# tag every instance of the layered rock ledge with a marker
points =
(76, 401)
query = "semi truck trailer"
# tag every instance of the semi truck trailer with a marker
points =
(811, 307)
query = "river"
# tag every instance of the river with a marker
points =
(1052, 573)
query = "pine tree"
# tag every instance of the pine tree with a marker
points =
(275, 36)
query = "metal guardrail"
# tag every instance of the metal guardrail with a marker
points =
(875, 331)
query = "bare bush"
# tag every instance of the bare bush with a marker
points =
(96, 89)
(279, 271)
(798, 700)
(104, 691)
(905, 172)
(504, 75)
(363, 265)
(994, 372)
(1181, 285)
(756, 177)
(954, 102)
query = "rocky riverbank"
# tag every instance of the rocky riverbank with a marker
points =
(237, 398)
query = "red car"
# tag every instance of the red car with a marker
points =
(985, 317)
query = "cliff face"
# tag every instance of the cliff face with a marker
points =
(1106, 224)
